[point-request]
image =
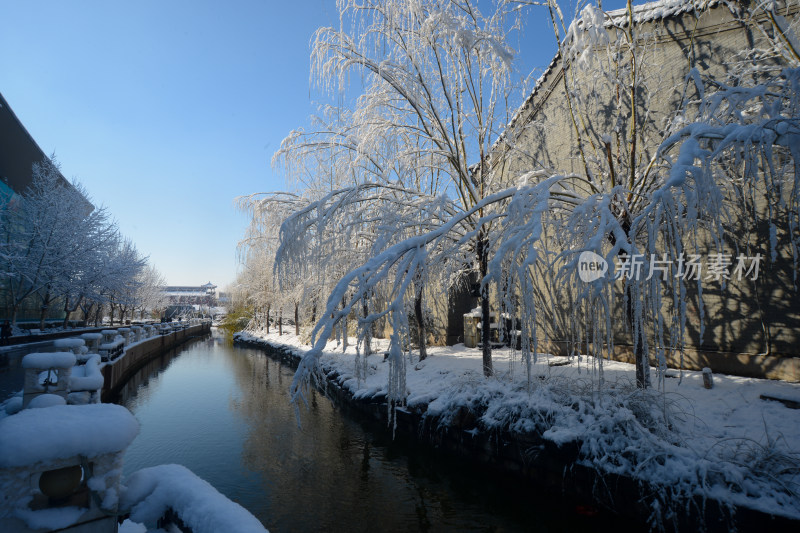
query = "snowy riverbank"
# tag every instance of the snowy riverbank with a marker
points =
(726, 444)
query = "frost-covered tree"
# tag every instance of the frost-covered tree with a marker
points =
(149, 297)
(364, 196)
(50, 237)
(614, 101)
(435, 77)
(121, 288)
(729, 158)
(89, 271)
(257, 254)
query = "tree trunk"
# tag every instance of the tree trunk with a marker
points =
(43, 310)
(69, 310)
(296, 320)
(640, 356)
(87, 311)
(280, 321)
(368, 332)
(344, 325)
(486, 319)
(267, 319)
(42, 315)
(421, 333)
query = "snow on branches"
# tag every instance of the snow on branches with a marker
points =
(56, 246)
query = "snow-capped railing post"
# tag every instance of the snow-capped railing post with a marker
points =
(76, 346)
(92, 341)
(126, 334)
(46, 373)
(136, 333)
(112, 344)
(70, 478)
(148, 331)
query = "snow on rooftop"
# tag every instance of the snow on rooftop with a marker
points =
(661, 9)
(63, 431)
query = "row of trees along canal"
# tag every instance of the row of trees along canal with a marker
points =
(57, 249)
(409, 187)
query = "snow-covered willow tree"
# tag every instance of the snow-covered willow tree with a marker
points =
(346, 186)
(729, 158)
(257, 255)
(436, 85)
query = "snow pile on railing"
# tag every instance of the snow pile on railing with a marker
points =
(49, 360)
(76, 346)
(61, 431)
(152, 491)
(87, 377)
(46, 400)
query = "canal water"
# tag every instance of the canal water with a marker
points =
(223, 412)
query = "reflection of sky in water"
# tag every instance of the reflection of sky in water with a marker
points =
(224, 413)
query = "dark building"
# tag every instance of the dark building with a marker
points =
(18, 153)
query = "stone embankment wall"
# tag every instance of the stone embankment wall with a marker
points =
(118, 371)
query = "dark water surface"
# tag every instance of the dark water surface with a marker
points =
(223, 412)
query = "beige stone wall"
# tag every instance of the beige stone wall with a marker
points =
(543, 136)
(742, 317)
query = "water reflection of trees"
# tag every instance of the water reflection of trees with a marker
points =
(140, 385)
(323, 465)
(330, 472)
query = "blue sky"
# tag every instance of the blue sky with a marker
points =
(167, 110)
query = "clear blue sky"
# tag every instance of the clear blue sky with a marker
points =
(167, 110)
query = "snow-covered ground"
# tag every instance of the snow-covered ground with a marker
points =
(724, 443)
